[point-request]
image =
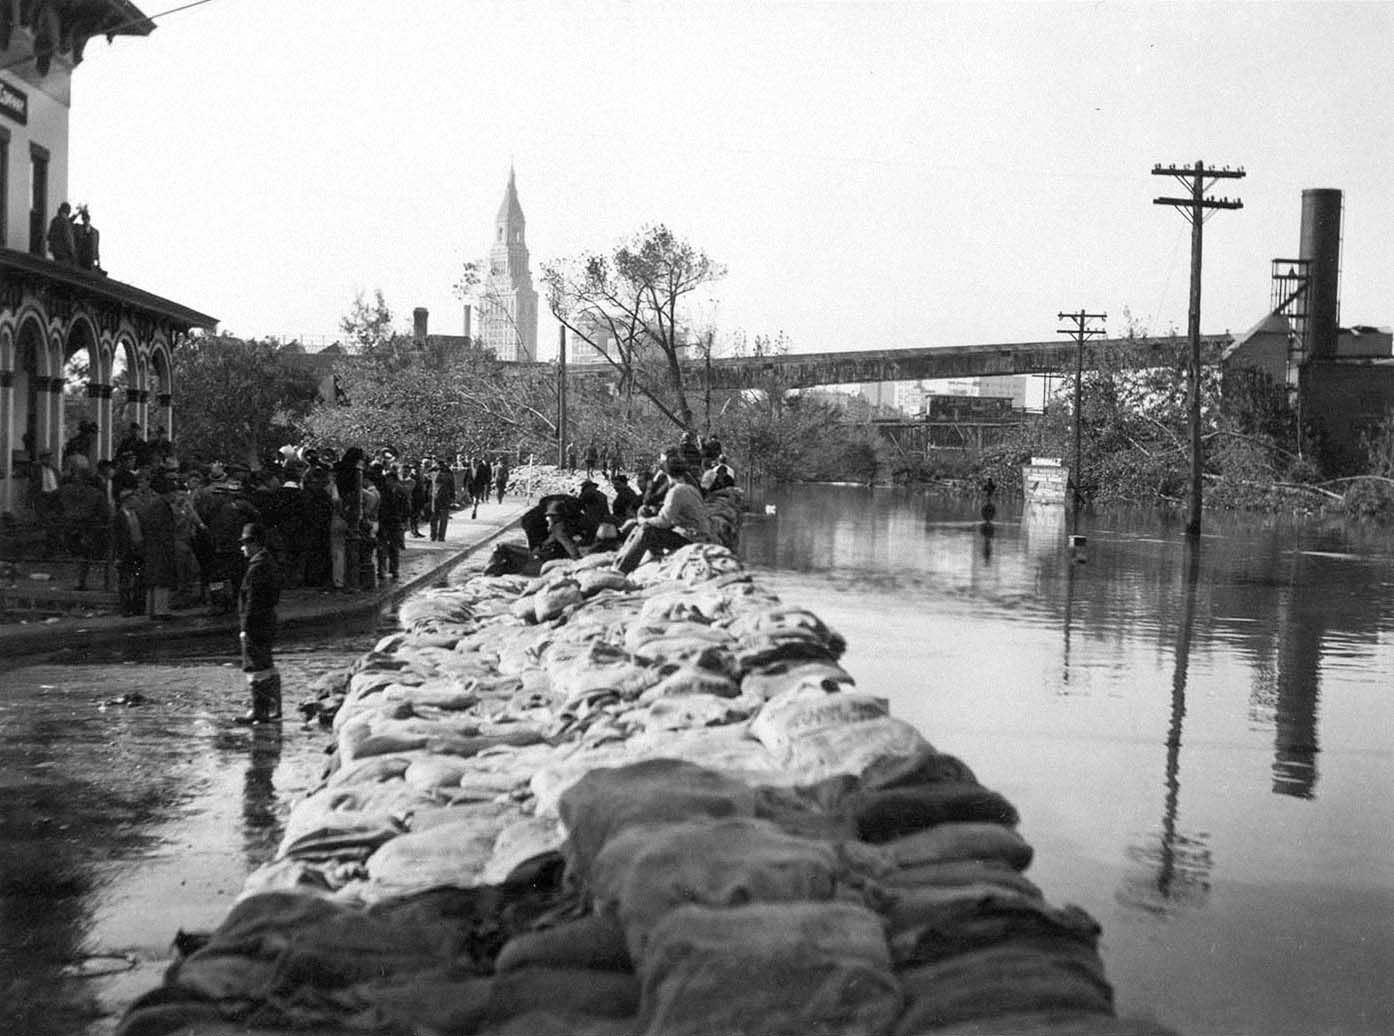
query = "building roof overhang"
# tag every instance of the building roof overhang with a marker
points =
(84, 285)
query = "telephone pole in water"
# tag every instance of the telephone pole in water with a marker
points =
(1197, 179)
(1080, 332)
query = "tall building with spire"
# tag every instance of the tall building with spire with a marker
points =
(507, 301)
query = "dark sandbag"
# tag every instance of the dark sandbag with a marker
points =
(593, 943)
(181, 1017)
(607, 800)
(781, 969)
(444, 1000)
(645, 871)
(804, 812)
(992, 873)
(1004, 979)
(925, 767)
(564, 992)
(891, 813)
(1050, 1023)
(961, 841)
(928, 928)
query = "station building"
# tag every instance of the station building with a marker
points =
(53, 308)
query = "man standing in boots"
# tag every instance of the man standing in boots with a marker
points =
(256, 610)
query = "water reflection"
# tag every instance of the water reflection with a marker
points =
(261, 821)
(1244, 869)
(1175, 867)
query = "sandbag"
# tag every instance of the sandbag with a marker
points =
(781, 969)
(990, 873)
(789, 717)
(961, 841)
(926, 933)
(889, 813)
(520, 842)
(606, 801)
(646, 870)
(777, 677)
(564, 992)
(447, 854)
(1002, 979)
(552, 600)
(595, 943)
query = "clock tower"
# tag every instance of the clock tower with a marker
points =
(507, 301)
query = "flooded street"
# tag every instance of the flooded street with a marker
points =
(131, 806)
(1199, 743)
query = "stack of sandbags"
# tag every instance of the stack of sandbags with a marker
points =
(586, 803)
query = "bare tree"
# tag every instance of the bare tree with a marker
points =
(627, 305)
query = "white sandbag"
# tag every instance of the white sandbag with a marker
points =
(447, 854)
(552, 600)
(790, 716)
(519, 842)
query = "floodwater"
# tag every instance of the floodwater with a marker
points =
(131, 806)
(1199, 742)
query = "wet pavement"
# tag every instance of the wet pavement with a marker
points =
(131, 806)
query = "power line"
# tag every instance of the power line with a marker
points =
(1198, 179)
(112, 30)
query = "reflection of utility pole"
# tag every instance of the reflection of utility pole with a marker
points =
(1177, 865)
(561, 396)
(1193, 208)
(1080, 331)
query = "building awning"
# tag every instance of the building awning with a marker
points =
(79, 284)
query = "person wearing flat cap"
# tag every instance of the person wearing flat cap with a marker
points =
(562, 516)
(256, 612)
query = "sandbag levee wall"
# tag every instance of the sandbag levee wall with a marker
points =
(592, 804)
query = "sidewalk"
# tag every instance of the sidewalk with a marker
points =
(422, 562)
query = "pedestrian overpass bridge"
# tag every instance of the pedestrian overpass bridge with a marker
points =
(806, 370)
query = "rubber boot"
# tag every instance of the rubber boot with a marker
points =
(273, 698)
(262, 702)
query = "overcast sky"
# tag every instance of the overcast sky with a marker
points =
(873, 175)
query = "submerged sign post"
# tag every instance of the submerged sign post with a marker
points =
(1045, 481)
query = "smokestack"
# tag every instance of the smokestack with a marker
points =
(419, 316)
(467, 320)
(1321, 247)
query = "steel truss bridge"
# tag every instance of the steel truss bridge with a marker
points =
(807, 370)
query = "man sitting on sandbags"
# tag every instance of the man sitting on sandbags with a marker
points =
(681, 519)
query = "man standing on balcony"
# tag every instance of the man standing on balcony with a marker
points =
(61, 241)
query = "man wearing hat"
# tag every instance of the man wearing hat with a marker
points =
(256, 612)
(626, 503)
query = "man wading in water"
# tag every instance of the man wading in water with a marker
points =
(256, 610)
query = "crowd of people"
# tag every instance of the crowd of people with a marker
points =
(333, 522)
(337, 522)
(664, 509)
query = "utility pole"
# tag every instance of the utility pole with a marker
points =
(707, 382)
(1080, 332)
(561, 397)
(1197, 179)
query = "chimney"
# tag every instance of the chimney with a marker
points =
(1321, 246)
(467, 321)
(418, 324)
